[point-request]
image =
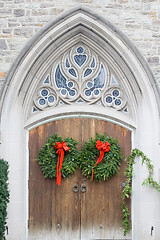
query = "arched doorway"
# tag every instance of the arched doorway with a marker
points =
(71, 211)
(32, 96)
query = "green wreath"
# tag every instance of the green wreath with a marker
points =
(110, 163)
(47, 157)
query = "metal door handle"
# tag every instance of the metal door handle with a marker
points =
(83, 188)
(75, 188)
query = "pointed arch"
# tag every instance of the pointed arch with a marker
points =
(77, 26)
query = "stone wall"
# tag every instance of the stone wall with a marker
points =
(138, 19)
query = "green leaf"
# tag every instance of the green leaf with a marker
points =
(4, 196)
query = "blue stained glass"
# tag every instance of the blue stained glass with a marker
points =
(89, 84)
(67, 63)
(44, 92)
(63, 92)
(80, 59)
(72, 92)
(93, 63)
(80, 100)
(96, 92)
(115, 93)
(113, 80)
(88, 93)
(70, 84)
(42, 101)
(100, 79)
(87, 72)
(34, 109)
(46, 80)
(60, 79)
(80, 50)
(108, 99)
(72, 72)
(51, 99)
(118, 102)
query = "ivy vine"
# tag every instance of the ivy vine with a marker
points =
(4, 196)
(128, 187)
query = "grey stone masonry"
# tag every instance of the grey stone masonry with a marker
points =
(3, 44)
(21, 19)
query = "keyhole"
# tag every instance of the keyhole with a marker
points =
(151, 230)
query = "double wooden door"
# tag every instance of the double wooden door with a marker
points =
(79, 209)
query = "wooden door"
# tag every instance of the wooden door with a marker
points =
(57, 212)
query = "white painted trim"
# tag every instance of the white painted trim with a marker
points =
(27, 181)
(79, 115)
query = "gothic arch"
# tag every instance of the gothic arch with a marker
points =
(121, 59)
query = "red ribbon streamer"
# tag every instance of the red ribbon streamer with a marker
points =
(60, 151)
(103, 147)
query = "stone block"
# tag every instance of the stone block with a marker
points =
(3, 74)
(17, 31)
(46, 5)
(123, 1)
(19, 12)
(39, 12)
(84, 1)
(12, 25)
(153, 14)
(7, 30)
(28, 13)
(1, 4)
(6, 36)
(114, 6)
(3, 24)
(18, 1)
(12, 19)
(37, 0)
(153, 61)
(24, 31)
(5, 11)
(3, 44)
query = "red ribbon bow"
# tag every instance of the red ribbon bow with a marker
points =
(103, 147)
(60, 151)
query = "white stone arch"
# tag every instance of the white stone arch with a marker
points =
(80, 25)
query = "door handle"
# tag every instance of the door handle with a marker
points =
(83, 188)
(75, 188)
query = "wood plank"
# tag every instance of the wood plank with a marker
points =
(101, 212)
(32, 156)
(95, 214)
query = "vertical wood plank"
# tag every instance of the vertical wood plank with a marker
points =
(95, 214)
(101, 212)
(32, 176)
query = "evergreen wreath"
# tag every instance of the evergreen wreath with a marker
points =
(47, 157)
(110, 163)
